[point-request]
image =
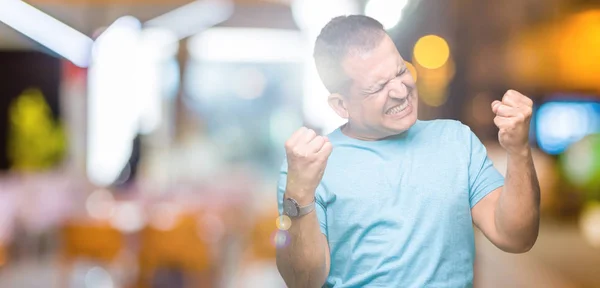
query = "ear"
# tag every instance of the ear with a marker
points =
(338, 103)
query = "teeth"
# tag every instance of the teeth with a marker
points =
(397, 109)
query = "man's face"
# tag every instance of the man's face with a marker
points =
(382, 100)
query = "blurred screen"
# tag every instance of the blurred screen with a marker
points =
(20, 73)
(565, 120)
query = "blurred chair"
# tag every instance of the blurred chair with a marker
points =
(176, 252)
(258, 268)
(97, 241)
(3, 255)
(93, 241)
(261, 242)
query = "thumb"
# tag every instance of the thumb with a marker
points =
(495, 106)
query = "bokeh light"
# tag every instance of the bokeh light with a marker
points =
(280, 238)
(283, 222)
(164, 216)
(433, 83)
(579, 50)
(590, 224)
(388, 12)
(581, 163)
(98, 277)
(100, 204)
(412, 69)
(431, 51)
(128, 217)
(561, 123)
(312, 15)
(571, 46)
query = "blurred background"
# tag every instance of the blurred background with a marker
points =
(140, 140)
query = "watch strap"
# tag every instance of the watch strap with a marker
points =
(307, 209)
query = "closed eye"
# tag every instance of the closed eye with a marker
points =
(378, 90)
(383, 86)
(402, 72)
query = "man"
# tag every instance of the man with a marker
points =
(396, 203)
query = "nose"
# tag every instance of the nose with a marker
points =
(398, 90)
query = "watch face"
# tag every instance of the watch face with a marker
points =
(290, 208)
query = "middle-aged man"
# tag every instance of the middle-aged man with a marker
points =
(387, 200)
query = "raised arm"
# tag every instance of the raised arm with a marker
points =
(510, 215)
(305, 261)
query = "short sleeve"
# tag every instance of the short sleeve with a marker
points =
(319, 207)
(483, 177)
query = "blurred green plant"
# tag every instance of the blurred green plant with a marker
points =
(581, 166)
(36, 141)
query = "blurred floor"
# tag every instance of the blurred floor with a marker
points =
(547, 265)
(560, 258)
(44, 273)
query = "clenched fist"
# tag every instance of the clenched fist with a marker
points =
(307, 155)
(513, 115)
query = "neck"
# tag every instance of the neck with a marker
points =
(352, 132)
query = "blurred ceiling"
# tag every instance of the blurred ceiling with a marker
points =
(486, 37)
(87, 16)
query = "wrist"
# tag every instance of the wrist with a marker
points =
(302, 192)
(302, 199)
(522, 153)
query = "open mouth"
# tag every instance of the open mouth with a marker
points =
(398, 108)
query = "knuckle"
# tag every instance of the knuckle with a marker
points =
(529, 102)
(296, 151)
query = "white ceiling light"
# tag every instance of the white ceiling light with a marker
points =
(312, 15)
(194, 17)
(388, 12)
(49, 32)
(113, 110)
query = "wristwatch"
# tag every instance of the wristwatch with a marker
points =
(292, 209)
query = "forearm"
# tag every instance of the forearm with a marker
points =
(518, 208)
(302, 263)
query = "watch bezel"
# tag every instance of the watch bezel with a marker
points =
(291, 207)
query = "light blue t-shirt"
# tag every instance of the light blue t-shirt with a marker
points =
(397, 212)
